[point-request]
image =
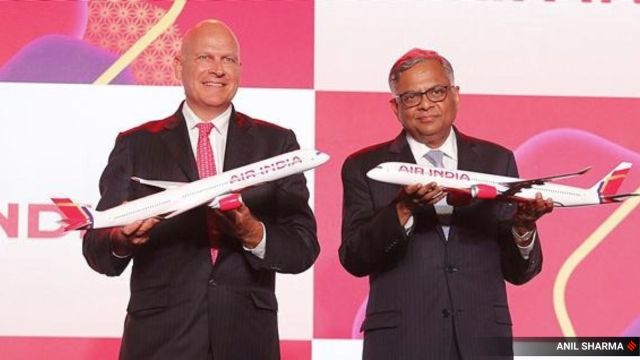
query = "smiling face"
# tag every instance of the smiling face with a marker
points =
(428, 122)
(209, 68)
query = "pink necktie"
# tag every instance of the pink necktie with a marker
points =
(206, 162)
(206, 168)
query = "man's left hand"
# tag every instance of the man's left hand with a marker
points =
(529, 212)
(241, 224)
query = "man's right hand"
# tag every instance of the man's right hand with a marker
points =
(416, 195)
(126, 238)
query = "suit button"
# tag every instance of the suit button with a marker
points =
(212, 282)
(446, 313)
(451, 269)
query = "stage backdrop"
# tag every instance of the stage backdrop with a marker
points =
(556, 81)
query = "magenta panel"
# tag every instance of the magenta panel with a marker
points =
(276, 40)
(549, 135)
(53, 348)
(345, 123)
(295, 350)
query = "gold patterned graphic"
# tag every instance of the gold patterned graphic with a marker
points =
(144, 36)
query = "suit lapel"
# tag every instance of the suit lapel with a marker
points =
(468, 160)
(238, 147)
(400, 150)
(238, 150)
(176, 138)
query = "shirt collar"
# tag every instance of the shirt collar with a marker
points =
(449, 148)
(220, 122)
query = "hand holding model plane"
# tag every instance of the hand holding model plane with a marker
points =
(529, 212)
(415, 195)
(238, 222)
(133, 235)
(462, 187)
(132, 221)
(425, 185)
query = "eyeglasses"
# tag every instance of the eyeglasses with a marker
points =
(435, 94)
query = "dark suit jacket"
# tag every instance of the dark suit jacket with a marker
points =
(181, 306)
(425, 290)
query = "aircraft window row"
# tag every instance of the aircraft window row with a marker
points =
(484, 181)
(205, 189)
(217, 185)
(143, 209)
(557, 191)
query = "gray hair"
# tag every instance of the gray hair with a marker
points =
(416, 56)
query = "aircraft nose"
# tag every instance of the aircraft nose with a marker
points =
(375, 173)
(323, 157)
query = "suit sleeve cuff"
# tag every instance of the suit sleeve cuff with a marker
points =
(525, 251)
(260, 249)
(408, 226)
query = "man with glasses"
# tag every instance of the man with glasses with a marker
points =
(436, 271)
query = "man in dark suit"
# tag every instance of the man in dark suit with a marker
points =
(436, 272)
(202, 283)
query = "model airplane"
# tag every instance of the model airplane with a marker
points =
(218, 191)
(464, 186)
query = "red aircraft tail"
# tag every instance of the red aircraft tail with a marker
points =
(76, 217)
(607, 188)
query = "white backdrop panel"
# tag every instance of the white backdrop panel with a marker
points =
(55, 142)
(496, 47)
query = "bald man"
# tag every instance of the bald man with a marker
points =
(202, 283)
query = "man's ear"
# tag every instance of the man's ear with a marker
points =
(177, 67)
(393, 104)
(456, 96)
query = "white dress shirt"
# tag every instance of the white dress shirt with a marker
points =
(217, 136)
(218, 139)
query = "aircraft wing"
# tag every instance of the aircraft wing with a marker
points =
(619, 197)
(177, 212)
(515, 186)
(159, 183)
(223, 202)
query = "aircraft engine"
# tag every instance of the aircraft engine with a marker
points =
(228, 202)
(484, 192)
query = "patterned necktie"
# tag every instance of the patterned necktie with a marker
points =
(435, 158)
(206, 168)
(443, 210)
(206, 162)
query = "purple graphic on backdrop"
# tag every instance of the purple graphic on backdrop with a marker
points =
(61, 59)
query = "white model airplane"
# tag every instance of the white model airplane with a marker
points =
(463, 186)
(218, 191)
